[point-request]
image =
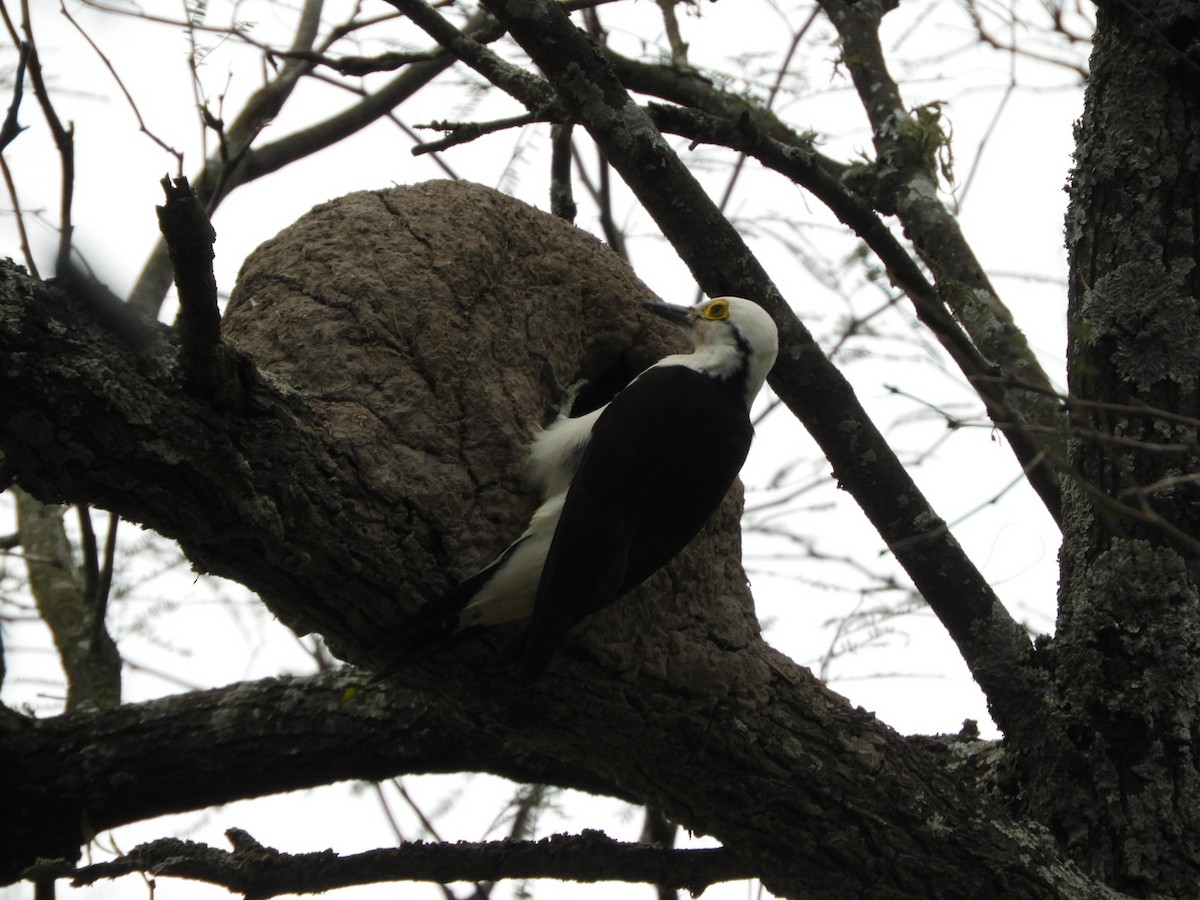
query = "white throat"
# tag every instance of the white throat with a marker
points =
(745, 344)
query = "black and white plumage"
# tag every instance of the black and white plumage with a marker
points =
(624, 488)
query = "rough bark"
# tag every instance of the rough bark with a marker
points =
(404, 359)
(1119, 783)
(65, 777)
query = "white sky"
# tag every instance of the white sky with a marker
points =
(911, 677)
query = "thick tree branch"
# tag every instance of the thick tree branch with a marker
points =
(690, 90)
(994, 646)
(211, 747)
(263, 872)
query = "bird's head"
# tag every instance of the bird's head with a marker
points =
(734, 336)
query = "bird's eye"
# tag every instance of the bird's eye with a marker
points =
(717, 310)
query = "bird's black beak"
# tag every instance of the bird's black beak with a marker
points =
(670, 311)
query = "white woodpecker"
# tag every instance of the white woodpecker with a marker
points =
(624, 487)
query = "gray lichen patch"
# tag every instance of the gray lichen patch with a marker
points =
(1143, 312)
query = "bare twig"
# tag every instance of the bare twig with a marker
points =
(64, 141)
(602, 193)
(19, 216)
(263, 872)
(679, 47)
(659, 831)
(465, 132)
(215, 181)
(104, 582)
(10, 129)
(178, 154)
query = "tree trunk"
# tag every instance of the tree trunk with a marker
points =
(1118, 780)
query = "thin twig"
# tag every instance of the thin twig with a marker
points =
(63, 140)
(178, 154)
(104, 582)
(19, 215)
(602, 194)
(465, 132)
(91, 555)
(10, 129)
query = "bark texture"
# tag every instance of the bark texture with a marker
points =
(1121, 785)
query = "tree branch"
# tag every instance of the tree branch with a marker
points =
(64, 141)
(11, 127)
(262, 872)
(532, 91)
(465, 132)
(269, 736)
(67, 602)
(562, 194)
(210, 368)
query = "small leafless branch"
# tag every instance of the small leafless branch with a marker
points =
(64, 141)
(1014, 47)
(465, 132)
(679, 47)
(10, 129)
(18, 214)
(659, 831)
(562, 195)
(263, 872)
(602, 194)
(178, 154)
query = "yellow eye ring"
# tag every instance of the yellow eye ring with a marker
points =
(716, 310)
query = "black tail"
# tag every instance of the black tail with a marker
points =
(432, 629)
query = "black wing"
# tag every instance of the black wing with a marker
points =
(659, 462)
